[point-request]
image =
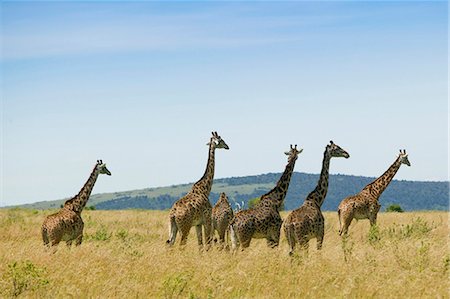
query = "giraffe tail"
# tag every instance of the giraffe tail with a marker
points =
(340, 223)
(173, 229)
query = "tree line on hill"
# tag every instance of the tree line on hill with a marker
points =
(410, 195)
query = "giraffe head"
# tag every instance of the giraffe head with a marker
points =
(293, 153)
(335, 150)
(217, 141)
(403, 158)
(101, 168)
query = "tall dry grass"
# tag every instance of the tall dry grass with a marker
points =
(124, 255)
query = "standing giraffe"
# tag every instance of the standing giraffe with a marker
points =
(364, 205)
(222, 213)
(307, 222)
(264, 220)
(194, 208)
(66, 224)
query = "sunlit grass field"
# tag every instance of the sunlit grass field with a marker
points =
(124, 255)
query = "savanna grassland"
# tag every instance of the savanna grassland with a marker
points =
(124, 255)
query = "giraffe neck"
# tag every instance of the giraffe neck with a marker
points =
(275, 197)
(320, 192)
(380, 184)
(78, 203)
(203, 186)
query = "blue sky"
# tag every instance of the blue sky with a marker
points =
(141, 85)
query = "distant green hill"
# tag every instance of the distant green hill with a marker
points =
(410, 195)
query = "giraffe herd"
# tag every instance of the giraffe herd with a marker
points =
(261, 221)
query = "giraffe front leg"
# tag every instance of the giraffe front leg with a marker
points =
(373, 214)
(373, 219)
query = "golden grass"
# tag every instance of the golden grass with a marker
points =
(124, 255)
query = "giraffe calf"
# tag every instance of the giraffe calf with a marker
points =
(222, 213)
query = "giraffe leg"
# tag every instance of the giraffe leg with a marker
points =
(273, 238)
(208, 230)
(184, 235)
(198, 229)
(373, 219)
(78, 240)
(227, 239)
(346, 221)
(373, 214)
(55, 242)
(303, 243)
(245, 242)
(221, 232)
(45, 236)
(320, 234)
(234, 238)
(290, 237)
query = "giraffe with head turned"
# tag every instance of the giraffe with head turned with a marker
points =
(307, 222)
(67, 225)
(364, 205)
(222, 213)
(264, 220)
(194, 209)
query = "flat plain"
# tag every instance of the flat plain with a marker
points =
(124, 255)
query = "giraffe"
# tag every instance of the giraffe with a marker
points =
(364, 205)
(307, 222)
(264, 220)
(194, 209)
(222, 213)
(66, 224)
